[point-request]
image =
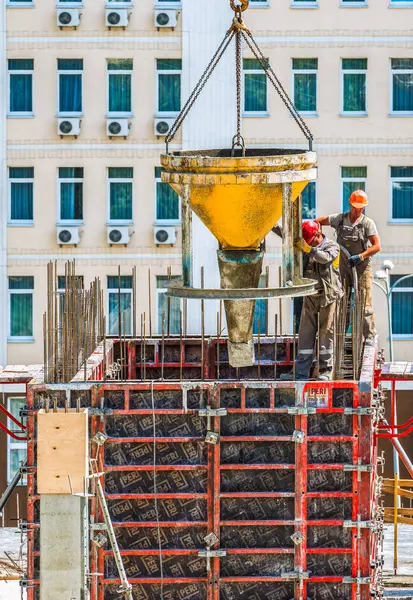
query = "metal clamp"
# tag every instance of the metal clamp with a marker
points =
(302, 410)
(300, 575)
(99, 412)
(208, 554)
(298, 436)
(211, 436)
(360, 524)
(360, 468)
(358, 580)
(360, 411)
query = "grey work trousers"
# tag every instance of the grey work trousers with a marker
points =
(365, 283)
(307, 336)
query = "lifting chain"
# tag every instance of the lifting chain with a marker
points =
(239, 31)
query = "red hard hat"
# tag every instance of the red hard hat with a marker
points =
(310, 229)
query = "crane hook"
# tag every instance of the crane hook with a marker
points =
(239, 5)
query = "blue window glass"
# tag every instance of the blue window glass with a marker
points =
(167, 200)
(120, 193)
(120, 85)
(21, 193)
(122, 299)
(353, 178)
(21, 307)
(402, 192)
(255, 86)
(169, 85)
(20, 85)
(70, 85)
(162, 308)
(261, 310)
(71, 193)
(309, 201)
(402, 306)
(402, 84)
(305, 84)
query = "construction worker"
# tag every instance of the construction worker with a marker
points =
(358, 235)
(321, 261)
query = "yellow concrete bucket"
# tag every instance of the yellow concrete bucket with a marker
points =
(240, 199)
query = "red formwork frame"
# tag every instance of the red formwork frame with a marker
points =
(364, 453)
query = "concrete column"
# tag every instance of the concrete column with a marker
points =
(3, 188)
(210, 124)
(63, 540)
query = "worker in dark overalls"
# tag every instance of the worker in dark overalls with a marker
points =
(321, 262)
(358, 235)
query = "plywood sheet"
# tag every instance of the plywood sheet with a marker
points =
(62, 451)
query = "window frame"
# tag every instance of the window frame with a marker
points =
(350, 180)
(254, 113)
(165, 222)
(398, 113)
(393, 220)
(70, 72)
(115, 291)
(314, 181)
(402, 4)
(257, 4)
(397, 290)
(354, 4)
(17, 222)
(13, 444)
(20, 4)
(305, 4)
(343, 72)
(19, 114)
(10, 292)
(119, 222)
(159, 292)
(304, 113)
(117, 114)
(166, 114)
(68, 222)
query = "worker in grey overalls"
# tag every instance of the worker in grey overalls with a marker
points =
(321, 262)
(358, 235)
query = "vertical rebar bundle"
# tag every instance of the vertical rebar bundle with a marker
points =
(73, 324)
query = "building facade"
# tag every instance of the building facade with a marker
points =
(90, 88)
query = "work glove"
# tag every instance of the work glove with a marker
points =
(302, 245)
(354, 260)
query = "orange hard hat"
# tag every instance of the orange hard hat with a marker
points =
(359, 199)
(310, 229)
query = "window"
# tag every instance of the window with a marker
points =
(70, 194)
(16, 449)
(20, 86)
(401, 3)
(352, 179)
(21, 308)
(402, 306)
(169, 85)
(21, 195)
(125, 297)
(354, 85)
(401, 192)
(120, 86)
(401, 87)
(20, 3)
(255, 87)
(70, 85)
(120, 194)
(354, 3)
(167, 200)
(308, 198)
(162, 307)
(259, 3)
(305, 84)
(304, 3)
(261, 310)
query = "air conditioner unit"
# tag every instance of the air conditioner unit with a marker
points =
(117, 18)
(68, 126)
(164, 235)
(118, 127)
(68, 17)
(118, 235)
(163, 126)
(166, 18)
(67, 236)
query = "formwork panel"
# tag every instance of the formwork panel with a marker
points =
(281, 488)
